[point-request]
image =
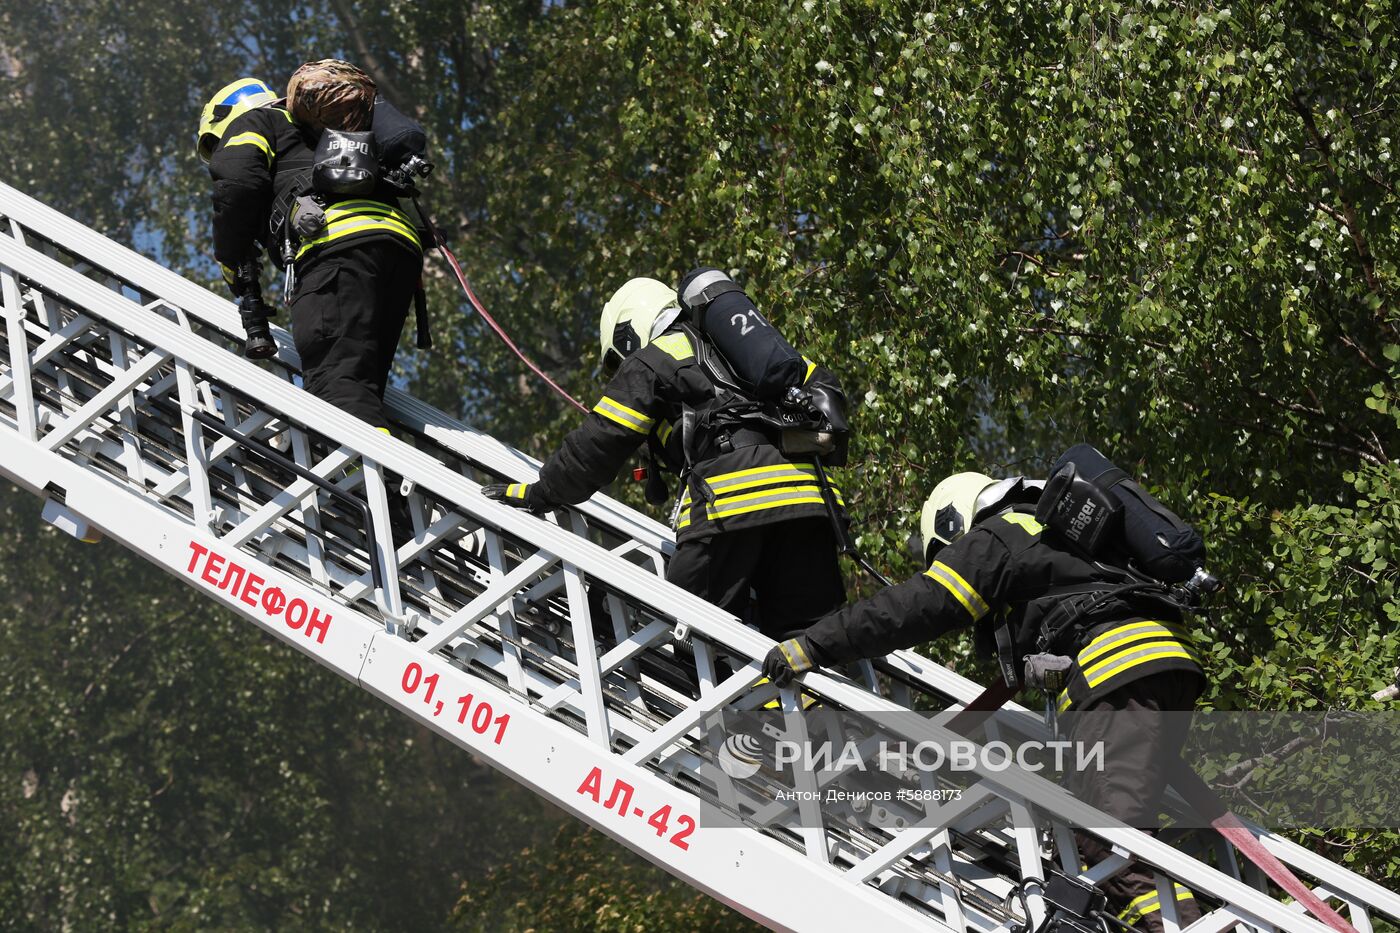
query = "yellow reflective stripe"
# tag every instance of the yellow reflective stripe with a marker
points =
(358, 225)
(629, 418)
(1123, 633)
(515, 491)
(722, 505)
(1145, 904)
(954, 583)
(663, 433)
(807, 699)
(1064, 701)
(251, 139)
(796, 657)
(716, 481)
(811, 368)
(1153, 651)
(722, 502)
(725, 485)
(345, 208)
(675, 345)
(758, 501)
(334, 218)
(730, 488)
(1027, 522)
(760, 506)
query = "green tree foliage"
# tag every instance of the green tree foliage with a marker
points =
(1166, 228)
(164, 765)
(579, 882)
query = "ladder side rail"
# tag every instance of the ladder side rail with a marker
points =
(753, 874)
(943, 681)
(1028, 788)
(20, 373)
(576, 597)
(327, 419)
(213, 424)
(475, 446)
(198, 302)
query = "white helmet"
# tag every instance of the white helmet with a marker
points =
(637, 312)
(951, 509)
(963, 499)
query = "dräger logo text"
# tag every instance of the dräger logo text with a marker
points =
(355, 145)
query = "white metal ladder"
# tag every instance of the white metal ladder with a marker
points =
(548, 649)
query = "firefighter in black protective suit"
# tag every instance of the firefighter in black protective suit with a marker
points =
(355, 276)
(991, 566)
(747, 518)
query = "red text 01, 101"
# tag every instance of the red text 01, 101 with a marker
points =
(480, 715)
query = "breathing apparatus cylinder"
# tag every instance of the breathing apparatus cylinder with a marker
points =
(765, 364)
(403, 145)
(1159, 543)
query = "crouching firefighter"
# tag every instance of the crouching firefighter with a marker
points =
(301, 178)
(743, 431)
(1065, 605)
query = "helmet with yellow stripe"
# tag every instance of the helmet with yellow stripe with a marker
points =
(227, 104)
(636, 313)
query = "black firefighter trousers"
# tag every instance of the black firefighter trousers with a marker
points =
(348, 311)
(791, 567)
(1139, 743)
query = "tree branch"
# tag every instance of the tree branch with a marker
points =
(371, 62)
(1263, 428)
(1348, 212)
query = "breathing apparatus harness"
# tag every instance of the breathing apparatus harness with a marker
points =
(760, 397)
(1090, 517)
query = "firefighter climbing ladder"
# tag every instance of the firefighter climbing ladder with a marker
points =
(550, 647)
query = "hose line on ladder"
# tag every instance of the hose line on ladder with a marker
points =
(441, 244)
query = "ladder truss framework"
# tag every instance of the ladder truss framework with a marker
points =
(551, 647)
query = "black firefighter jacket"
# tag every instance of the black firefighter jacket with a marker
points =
(1003, 571)
(738, 480)
(264, 161)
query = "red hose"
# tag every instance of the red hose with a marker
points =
(500, 332)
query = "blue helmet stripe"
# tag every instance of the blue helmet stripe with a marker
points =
(246, 90)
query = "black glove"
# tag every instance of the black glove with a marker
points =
(244, 281)
(520, 495)
(788, 659)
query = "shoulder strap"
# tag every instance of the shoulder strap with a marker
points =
(710, 361)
